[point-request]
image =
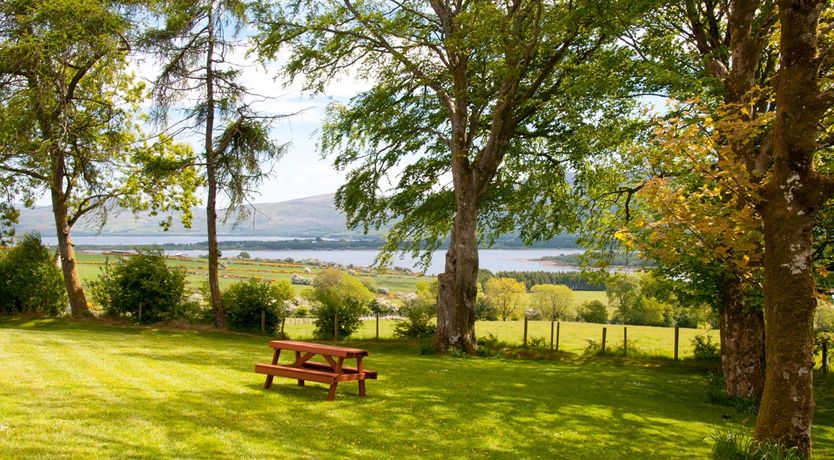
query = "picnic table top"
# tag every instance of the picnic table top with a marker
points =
(310, 347)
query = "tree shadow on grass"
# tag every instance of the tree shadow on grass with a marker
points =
(421, 406)
(823, 430)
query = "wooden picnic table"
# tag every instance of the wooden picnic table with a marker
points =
(332, 370)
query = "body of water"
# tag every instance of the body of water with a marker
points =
(490, 259)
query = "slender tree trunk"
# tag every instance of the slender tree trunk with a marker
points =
(211, 176)
(742, 342)
(458, 284)
(72, 281)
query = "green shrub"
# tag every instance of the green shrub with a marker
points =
(484, 311)
(773, 451)
(717, 394)
(633, 349)
(338, 293)
(593, 347)
(716, 388)
(490, 341)
(246, 301)
(416, 322)
(824, 318)
(380, 307)
(734, 445)
(490, 347)
(539, 343)
(552, 302)
(593, 311)
(142, 288)
(730, 445)
(704, 348)
(428, 347)
(29, 280)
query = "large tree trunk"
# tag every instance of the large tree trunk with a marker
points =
(742, 330)
(458, 285)
(791, 199)
(72, 281)
(211, 175)
(787, 407)
(742, 342)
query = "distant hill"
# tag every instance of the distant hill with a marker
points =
(314, 216)
(303, 218)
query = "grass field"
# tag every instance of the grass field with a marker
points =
(573, 337)
(237, 270)
(88, 390)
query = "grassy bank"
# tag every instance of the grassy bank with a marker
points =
(87, 390)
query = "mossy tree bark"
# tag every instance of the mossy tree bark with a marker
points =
(734, 58)
(791, 199)
(742, 342)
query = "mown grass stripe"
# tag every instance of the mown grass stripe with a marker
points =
(126, 392)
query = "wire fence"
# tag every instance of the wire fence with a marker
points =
(564, 336)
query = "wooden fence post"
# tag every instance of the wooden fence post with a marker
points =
(263, 322)
(283, 322)
(625, 340)
(377, 325)
(140, 313)
(825, 356)
(604, 332)
(558, 324)
(677, 340)
(551, 335)
(525, 331)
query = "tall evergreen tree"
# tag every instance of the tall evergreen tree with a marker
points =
(194, 46)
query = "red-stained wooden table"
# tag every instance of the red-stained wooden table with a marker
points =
(332, 370)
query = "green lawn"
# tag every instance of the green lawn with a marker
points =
(88, 390)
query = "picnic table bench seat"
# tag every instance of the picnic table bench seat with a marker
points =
(332, 371)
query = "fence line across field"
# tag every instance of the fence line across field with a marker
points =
(611, 339)
(605, 336)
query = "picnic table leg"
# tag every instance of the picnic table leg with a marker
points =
(269, 378)
(298, 363)
(360, 368)
(331, 395)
